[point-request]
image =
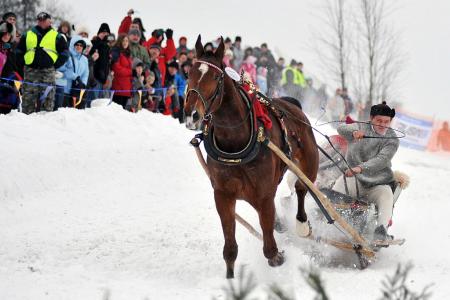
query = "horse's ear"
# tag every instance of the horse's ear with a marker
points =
(220, 50)
(199, 46)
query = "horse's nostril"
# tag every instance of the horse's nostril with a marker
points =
(195, 116)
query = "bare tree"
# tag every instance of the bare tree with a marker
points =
(331, 42)
(59, 11)
(26, 11)
(380, 60)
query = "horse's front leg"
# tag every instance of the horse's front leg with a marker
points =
(226, 206)
(267, 220)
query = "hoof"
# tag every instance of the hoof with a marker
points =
(230, 274)
(277, 260)
(303, 229)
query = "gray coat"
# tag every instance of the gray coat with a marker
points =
(373, 155)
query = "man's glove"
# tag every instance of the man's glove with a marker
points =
(169, 33)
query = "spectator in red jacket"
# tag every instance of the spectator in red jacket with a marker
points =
(123, 71)
(129, 23)
(161, 55)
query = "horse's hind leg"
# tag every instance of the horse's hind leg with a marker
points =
(267, 220)
(226, 208)
(302, 225)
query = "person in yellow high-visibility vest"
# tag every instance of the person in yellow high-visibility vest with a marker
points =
(40, 50)
(296, 69)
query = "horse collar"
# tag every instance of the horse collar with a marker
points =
(248, 153)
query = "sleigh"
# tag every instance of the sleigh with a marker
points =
(356, 215)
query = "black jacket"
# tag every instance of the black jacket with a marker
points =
(102, 64)
(41, 59)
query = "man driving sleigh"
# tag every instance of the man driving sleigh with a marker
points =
(371, 147)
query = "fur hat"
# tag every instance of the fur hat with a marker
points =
(382, 110)
(6, 28)
(81, 29)
(104, 28)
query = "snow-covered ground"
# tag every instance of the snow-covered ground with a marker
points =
(105, 201)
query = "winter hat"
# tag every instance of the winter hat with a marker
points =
(139, 22)
(382, 110)
(104, 28)
(82, 29)
(8, 14)
(6, 28)
(134, 31)
(173, 64)
(42, 16)
(157, 33)
(80, 41)
(137, 62)
(182, 38)
(155, 46)
(111, 37)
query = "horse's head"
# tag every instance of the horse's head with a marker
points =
(205, 85)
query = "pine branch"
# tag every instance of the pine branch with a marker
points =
(313, 279)
(394, 287)
(243, 288)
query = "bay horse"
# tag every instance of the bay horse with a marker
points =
(212, 95)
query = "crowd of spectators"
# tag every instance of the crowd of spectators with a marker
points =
(59, 67)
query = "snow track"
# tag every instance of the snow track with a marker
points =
(105, 200)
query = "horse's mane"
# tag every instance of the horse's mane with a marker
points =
(292, 101)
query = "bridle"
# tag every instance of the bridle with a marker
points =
(218, 92)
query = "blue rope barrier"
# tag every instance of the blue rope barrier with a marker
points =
(164, 90)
